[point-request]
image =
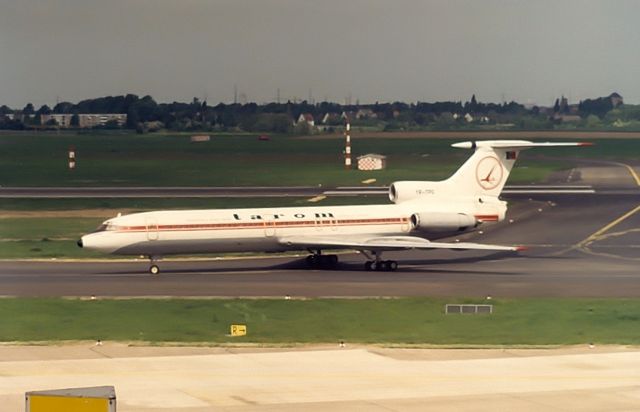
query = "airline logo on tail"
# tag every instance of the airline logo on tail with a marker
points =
(489, 172)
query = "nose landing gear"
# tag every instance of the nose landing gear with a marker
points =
(154, 269)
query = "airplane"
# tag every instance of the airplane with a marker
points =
(419, 211)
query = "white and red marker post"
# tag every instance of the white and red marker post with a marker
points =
(72, 157)
(347, 149)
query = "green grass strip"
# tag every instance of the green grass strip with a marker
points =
(146, 204)
(275, 321)
(36, 159)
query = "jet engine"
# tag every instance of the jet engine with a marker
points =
(442, 221)
(402, 191)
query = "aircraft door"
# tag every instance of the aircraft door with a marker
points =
(405, 226)
(152, 229)
(269, 228)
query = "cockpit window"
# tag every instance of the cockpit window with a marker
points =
(106, 226)
(101, 228)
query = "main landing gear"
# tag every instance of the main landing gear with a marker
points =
(319, 261)
(381, 266)
(375, 263)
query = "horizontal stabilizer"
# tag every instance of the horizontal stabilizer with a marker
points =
(515, 144)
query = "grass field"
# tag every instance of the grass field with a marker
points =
(242, 160)
(112, 206)
(270, 321)
(44, 237)
(226, 160)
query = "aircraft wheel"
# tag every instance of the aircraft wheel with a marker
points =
(367, 266)
(154, 269)
(392, 265)
(375, 266)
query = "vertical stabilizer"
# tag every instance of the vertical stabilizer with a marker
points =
(487, 170)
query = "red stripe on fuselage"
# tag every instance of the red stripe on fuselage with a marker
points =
(263, 224)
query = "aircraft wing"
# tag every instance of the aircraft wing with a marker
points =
(383, 243)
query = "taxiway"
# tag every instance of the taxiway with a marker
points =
(579, 246)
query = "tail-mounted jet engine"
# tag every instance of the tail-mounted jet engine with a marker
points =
(442, 222)
(402, 191)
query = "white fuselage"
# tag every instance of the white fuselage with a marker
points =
(250, 230)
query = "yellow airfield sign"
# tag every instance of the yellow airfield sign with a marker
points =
(238, 330)
(95, 399)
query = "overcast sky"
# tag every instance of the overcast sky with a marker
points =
(373, 50)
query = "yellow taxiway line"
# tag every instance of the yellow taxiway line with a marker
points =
(632, 172)
(606, 228)
(316, 199)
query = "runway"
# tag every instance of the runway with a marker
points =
(242, 192)
(579, 247)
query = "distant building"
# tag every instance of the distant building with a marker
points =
(348, 116)
(62, 120)
(84, 120)
(306, 117)
(616, 99)
(101, 119)
(567, 118)
(365, 114)
(372, 161)
(574, 109)
(544, 110)
(20, 116)
(564, 104)
(331, 118)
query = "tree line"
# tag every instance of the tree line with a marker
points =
(144, 114)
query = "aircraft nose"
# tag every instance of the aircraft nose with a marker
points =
(79, 242)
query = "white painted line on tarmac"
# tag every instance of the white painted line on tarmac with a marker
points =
(361, 187)
(548, 187)
(547, 191)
